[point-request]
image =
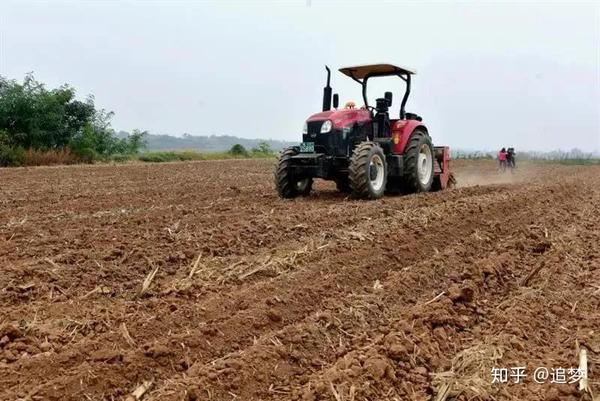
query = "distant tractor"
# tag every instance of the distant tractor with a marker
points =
(363, 150)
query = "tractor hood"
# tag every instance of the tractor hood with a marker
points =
(342, 118)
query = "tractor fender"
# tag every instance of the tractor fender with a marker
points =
(401, 132)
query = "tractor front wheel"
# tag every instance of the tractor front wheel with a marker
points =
(418, 159)
(289, 186)
(367, 173)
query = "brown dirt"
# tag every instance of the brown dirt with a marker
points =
(319, 298)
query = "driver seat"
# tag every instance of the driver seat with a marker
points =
(381, 120)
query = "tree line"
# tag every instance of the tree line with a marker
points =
(41, 126)
(207, 143)
(35, 120)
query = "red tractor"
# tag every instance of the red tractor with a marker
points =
(363, 150)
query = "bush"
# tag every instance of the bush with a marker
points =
(159, 157)
(86, 155)
(238, 150)
(10, 156)
(263, 149)
(190, 155)
(120, 158)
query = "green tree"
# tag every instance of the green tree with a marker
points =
(263, 148)
(136, 141)
(238, 150)
(33, 117)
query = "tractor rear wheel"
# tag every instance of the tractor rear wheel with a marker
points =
(367, 173)
(418, 161)
(289, 186)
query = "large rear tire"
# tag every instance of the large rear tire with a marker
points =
(418, 161)
(367, 173)
(289, 186)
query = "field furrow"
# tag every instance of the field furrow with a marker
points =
(317, 298)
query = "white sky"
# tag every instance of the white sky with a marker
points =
(490, 74)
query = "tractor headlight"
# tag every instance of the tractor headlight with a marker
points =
(305, 129)
(326, 127)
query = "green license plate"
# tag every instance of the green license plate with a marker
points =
(307, 147)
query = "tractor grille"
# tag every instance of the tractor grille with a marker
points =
(331, 143)
(314, 127)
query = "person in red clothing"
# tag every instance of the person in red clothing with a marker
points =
(502, 160)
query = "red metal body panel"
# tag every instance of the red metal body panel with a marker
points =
(342, 118)
(442, 167)
(401, 131)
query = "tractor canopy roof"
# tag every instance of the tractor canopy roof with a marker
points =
(381, 70)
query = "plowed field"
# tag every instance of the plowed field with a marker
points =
(196, 278)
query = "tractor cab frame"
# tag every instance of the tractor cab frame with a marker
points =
(382, 123)
(361, 74)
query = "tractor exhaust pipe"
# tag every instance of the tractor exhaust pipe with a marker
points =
(327, 92)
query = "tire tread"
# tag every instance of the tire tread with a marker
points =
(358, 172)
(411, 155)
(283, 181)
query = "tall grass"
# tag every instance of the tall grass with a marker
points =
(572, 157)
(32, 157)
(188, 155)
(579, 162)
(170, 156)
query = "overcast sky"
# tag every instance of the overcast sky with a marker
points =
(490, 74)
